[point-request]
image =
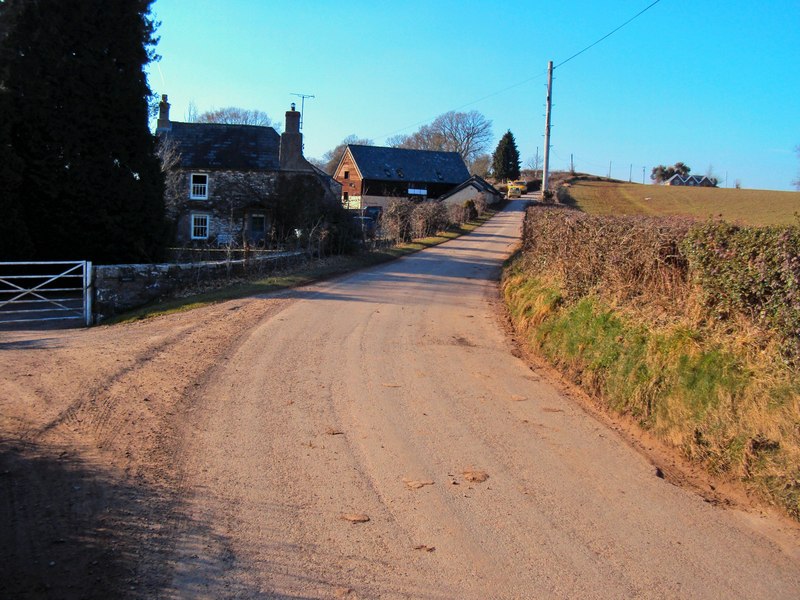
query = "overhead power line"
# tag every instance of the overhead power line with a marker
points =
(609, 34)
(481, 99)
(525, 81)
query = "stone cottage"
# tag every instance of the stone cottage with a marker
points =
(221, 179)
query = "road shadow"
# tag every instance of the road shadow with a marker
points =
(55, 325)
(30, 344)
(71, 531)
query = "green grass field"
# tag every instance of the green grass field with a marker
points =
(751, 207)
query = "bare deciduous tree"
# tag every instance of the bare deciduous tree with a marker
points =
(169, 155)
(332, 157)
(425, 138)
(481, 165)
(534, 163)
(234, 115)
(469, 134)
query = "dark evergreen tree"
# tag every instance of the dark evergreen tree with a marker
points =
(14, 240)
(77, 102)
(505, 162)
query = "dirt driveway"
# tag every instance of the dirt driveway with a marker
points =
(369, 437)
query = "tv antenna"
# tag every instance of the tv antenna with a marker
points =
(302, 105)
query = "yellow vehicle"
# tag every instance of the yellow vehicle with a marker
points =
(515, 190)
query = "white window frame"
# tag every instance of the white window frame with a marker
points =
(193, 226)
(198, 191)
(260, 216)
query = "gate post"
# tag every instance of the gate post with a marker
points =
(88, 292)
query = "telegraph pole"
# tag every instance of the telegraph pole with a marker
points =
(546, 169)
(302, 106)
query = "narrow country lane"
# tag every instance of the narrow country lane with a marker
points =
(372, 396)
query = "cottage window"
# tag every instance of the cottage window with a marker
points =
(346, 196)
(258, 223)
(199, 226)
(347, 174)
(198, 187)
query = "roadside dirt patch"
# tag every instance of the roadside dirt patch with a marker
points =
(90, 461)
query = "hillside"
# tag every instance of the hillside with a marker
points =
(752, 207)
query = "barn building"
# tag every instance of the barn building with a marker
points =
(374, 175)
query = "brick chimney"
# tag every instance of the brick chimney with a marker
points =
(291, 152)
(163, 115)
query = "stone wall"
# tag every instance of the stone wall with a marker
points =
(119, 288)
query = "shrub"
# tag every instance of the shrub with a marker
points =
(625, 258)
(480, 204)
(427, 218)
(470, 212)
(753, 271)
(396, 220)
(456, 214)
(404, 220)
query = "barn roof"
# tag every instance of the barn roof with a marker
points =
(401, 164)
(218, 146)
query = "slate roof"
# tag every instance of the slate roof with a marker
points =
(217, 146)
(401, 164)
(476, 181)
(690, 180)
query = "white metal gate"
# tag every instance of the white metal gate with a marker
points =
(45, 291)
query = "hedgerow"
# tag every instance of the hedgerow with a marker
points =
(753, 271)
(404, 220)
(691, 328)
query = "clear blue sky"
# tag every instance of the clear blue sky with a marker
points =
(706, 83)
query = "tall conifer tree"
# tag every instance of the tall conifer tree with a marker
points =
(15, 242)
(505, 162)
(77, 103)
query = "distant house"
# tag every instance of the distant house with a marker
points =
(690, 180)
(224, 176)
(471, 189)
(374, 175)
